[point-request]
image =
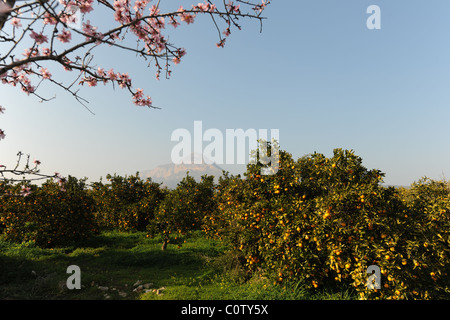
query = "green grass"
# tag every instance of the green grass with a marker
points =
(200, 269)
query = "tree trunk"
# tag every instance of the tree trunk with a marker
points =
(164, 245)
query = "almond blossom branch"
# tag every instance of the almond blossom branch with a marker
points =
(27, 170)
(147, 28)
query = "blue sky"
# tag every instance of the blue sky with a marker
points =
(316, 73)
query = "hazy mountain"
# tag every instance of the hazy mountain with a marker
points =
(170, 174)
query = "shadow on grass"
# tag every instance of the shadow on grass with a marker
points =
(114, 260)
(112, 263)
(135, 250)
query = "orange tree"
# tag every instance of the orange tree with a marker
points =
(426, 244)
(322, 222)
(218, 223)
(183, 209)
(126, 203)
(49, 215)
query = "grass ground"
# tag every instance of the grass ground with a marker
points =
(112, 263)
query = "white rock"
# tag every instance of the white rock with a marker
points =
(137, 283)
(148, 285)
(139, 288)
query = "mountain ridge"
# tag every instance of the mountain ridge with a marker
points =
(170, 174)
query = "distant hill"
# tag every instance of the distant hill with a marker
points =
(170, 174)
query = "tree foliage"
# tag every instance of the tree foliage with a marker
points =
(183, 209)
(323, 221)
(126, 203)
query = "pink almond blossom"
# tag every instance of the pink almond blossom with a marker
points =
(122, 11)
(174, 22)
(28, 89)
(154, 11)
(49, 18)
(231, 7)
(111, 75)
(124, 80)
(26, 191)
(221, 43)
(46, 51)
(188, 18)
(16, 22)
(227, 32)
(86, 6)
(139, 5)
(92, 82)
(100, 72)
(45, 73)
(204, 7)
(38, 37)
(65, 36)
(89, 29)
(31, 53)
(139, 94)
(138, 98)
